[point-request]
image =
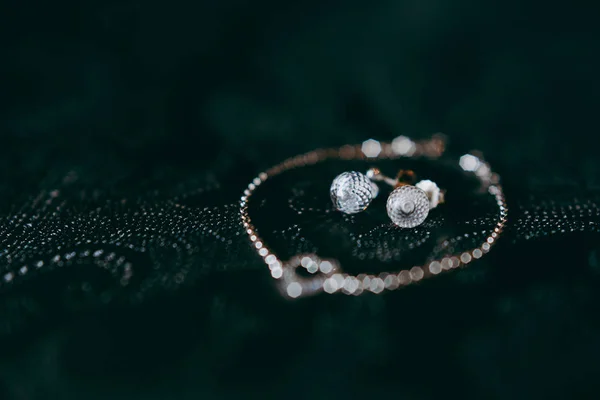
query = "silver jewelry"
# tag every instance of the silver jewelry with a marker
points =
(352, 192)
(408, 205)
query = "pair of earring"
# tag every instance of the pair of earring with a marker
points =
(407, 206)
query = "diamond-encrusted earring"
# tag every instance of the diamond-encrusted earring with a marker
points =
(352, 192)
(408, 205)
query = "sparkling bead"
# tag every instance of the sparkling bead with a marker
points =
(352, 192)
(408, 206)
(403, 146)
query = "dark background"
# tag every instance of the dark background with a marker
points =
(131, 128)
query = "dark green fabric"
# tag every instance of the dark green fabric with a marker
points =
(132, 127)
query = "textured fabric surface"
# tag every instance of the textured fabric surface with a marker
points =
(129, 130)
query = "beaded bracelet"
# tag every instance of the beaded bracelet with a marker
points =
(326, 275)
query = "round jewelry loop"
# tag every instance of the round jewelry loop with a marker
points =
(334, 280)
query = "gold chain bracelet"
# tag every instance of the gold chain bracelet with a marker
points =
(326, 275)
